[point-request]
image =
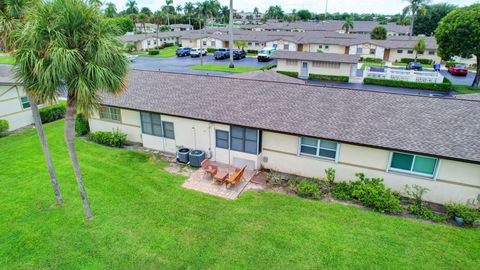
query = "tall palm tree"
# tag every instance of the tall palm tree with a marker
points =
(25, 72)
(419, 47)
(188, 9)
(168, 5)
(347, 25)
(76, 53)
(132, 7)
(256, 12)
(157, 19)
(206, 10)
(110, 10)
(413, 8)
(11, 19)
(143, 19)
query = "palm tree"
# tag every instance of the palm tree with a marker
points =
(143, 19)
(25, 72)
(347, 25)
(256, 12)
(11, 19)
(188, 9)
(157, 19)
(110, 10)
(205, 10)
(132, 7)
(168, 5)
(96, 3)
(413, 8)
(419, 47)
(84, 58)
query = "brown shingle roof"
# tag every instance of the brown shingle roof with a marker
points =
(312, 56)
(432, 126)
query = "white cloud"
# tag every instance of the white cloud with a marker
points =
(318, 6)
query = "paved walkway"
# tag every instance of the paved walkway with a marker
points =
(199, 181)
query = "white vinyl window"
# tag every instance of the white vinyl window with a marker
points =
(319, 148)
(110, 113)
(291, 62)
(414, 164)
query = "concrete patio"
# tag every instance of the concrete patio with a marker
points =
(202, 182)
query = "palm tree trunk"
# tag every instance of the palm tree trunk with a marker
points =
(168, 19)
(70, 118)
(413, 23)
(46, 151)
(476, 81)
(189, 20)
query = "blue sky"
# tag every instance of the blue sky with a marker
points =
(359, 6)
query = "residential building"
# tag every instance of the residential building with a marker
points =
(304, 129)
(144, 42)
(308, 63)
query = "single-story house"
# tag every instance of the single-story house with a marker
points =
(14, 103)
(307, 63)
(304, 129)
(181, 27)
(144, 42)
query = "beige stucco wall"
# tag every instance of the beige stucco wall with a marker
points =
(344, 69)
(129, 124)
(395, 56)
(331, 48)
(11, 107)
(280, 45)
(456, 181)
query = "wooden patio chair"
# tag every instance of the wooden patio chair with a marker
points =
(208, 168)
(235, 177)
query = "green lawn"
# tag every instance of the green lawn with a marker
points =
(164, 53)
(7, 59)
(224, 68)
(465, 89)
(368, 64)
(399, 64)
(144, 219)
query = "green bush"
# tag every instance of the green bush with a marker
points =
(268, 67)
(451, 63)
(153, 52)
(252, 51)
(289, 73)
(82, 127)
(53, 113)
(371, 60)
(3, 127)
(469, 214)
(114, 139)
(328, 77)
(211, 50)
(370, 193)
(406, 84)
(308, 189)
(419, 60)
(418, 207)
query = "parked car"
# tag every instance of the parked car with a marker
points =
(183, 51)
(265, 54)
(131, 57)
(239, 54)
(222, 53)
(458, 70)
(195, 52)
(414, 66)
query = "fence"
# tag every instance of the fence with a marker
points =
(403, 75)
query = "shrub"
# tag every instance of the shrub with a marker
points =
(469, 214)
(451, 63)
(371, 60)
(370, 193)
(308, 189)
(211, 50)
(419, 60)
(329, 77)
(153, 52)
(406, 84)
(275, 179)
(268, 67)
(53, 113)
(417, 208)
(82, 127)
(3, 127)
(114, 139)
(288, 73)
(252, 51)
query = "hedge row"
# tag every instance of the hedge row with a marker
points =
(371, 60)
(114, 139)
(53, 113)
(445, 86)
(252, 51)
(211, 50)
(288, 73)
(419, 60)
(268, 67)
(153, 52)
(328, 77)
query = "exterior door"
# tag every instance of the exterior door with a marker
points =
(304, 70)
(386, 55)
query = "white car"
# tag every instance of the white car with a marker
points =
(195, 52)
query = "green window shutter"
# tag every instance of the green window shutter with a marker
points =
(424, 165)
(402, 161)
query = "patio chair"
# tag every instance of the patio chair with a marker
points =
(208, 168)
(235, 177)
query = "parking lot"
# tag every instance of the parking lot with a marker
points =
(184, 64)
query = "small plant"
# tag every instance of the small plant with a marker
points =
(468, 213)
(114, 139)
(308, 188)
(416, 193)
(82, 127)
(3, 127)
(275, 179)
(153, 52)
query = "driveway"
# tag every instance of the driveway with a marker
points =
(468, 80)
(183, 64)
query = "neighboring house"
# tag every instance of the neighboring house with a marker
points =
(307, 63)
(14, 104)
(149, 41)
(303, 129)
(181, 27)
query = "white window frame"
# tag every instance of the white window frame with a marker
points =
(432, 176)
(108, 113)
(299, 149)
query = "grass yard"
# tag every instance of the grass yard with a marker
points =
(465, 89)
(7, 59)
(144, 219)
(224, 68)
(164, 53)
(368, 64)
(399, 64)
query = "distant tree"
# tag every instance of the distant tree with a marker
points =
(240, 44)
(146, 10)
(274, 12)
(143, 19)
(157, 18)
(347, 25)
(110, 10)
(413, 8)
(304, 15)
(256, 12)
(132, 7)
(458, 34)
(419, 47)
(122, 24)
(189, 9)
(178, 9)
(379, 33)
(168, 9)
(225, 14)
(434, 13)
